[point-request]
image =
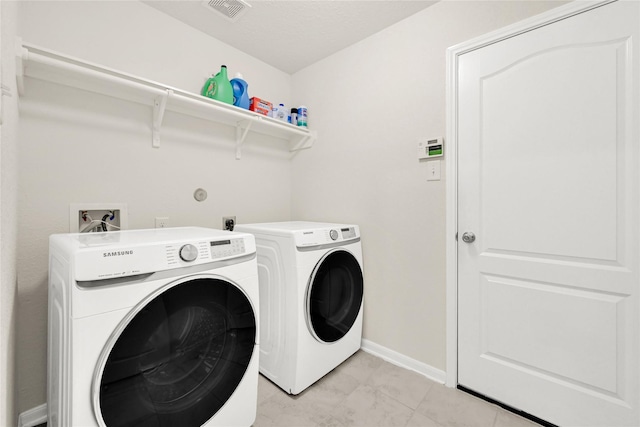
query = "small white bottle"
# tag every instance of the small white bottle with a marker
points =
(280, 113)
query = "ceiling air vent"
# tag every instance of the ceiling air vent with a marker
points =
(230, 9)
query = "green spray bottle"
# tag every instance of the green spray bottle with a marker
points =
(218, 87)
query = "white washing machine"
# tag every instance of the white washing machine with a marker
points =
(311, 298)
(153, 327)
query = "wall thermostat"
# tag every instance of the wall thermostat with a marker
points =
(429, 148)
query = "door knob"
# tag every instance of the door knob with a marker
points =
(468, 237)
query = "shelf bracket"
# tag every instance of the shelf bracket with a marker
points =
(305, 142)
(22, 55)
(159, 107)
(242, 129)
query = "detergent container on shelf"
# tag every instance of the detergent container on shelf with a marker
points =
(240, 94)
(302, 116)
(218, 87)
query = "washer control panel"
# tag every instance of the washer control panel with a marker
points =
(204, 251)
(99, 256)
(226, 248)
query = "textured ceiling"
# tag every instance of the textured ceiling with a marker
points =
(291, 35)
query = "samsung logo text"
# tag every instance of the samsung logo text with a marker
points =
(117, 253)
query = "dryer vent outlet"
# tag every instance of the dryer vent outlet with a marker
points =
(228, 222)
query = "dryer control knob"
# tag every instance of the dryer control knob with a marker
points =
(188, 253)
(333, 234)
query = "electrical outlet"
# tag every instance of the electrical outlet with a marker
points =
(162, 221)
(228, 222)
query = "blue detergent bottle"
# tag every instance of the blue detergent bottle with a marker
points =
(240, 94)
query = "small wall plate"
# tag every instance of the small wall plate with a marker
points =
(97, 211)
(200, 195)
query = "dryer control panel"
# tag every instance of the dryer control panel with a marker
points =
(307, 238)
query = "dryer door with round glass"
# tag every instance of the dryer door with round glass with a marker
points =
(334, 296)
(179, 358)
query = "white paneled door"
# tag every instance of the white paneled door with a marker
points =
(549, 186)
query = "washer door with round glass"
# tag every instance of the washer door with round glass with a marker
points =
(180, 358)
(334, 296)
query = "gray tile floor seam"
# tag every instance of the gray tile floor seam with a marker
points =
(367, 391)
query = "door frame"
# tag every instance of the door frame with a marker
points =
(453, 54)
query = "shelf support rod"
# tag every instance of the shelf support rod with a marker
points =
(306, 141)
(241, 135)
(159, 107)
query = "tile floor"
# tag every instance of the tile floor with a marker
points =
(367, 391)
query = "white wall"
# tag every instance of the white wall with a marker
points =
(8, 218)
(140, 40)
(80, 147)
(370, 103)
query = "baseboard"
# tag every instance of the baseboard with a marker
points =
(33, 417)
(403, 361)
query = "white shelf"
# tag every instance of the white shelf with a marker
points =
(43, 64)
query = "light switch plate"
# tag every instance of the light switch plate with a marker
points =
(433, 170)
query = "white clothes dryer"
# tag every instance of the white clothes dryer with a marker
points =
(153, 327)
(311, 299)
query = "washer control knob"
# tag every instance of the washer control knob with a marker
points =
(333, 234)
(188, 253)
